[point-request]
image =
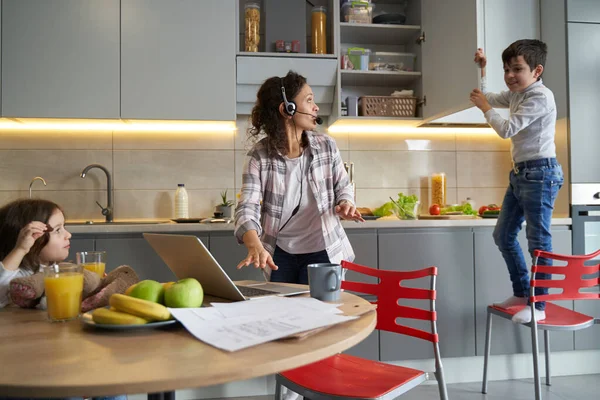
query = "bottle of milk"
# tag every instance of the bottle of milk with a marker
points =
(181, 202)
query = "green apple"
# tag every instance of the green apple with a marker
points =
(184, 293)
(149, 290)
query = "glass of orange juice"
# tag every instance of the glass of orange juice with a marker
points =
(64, 285)
(94, 261)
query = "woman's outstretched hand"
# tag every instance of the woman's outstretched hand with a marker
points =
(347, 210)
(258, 256)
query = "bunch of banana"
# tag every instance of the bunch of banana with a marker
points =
(112, 317)
(145, 309)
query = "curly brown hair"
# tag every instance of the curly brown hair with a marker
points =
(14, 216)
(266, 118)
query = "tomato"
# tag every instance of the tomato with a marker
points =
(494, 207)
(483, 209)
(434, 209)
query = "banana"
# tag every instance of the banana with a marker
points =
(142, 308)
(106, 316)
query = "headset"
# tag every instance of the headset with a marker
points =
(291, 109)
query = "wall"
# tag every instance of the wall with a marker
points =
(146, 168)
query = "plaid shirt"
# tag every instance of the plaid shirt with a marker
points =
(264, 188)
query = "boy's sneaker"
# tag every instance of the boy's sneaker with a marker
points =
(512, 301)
(524, 316)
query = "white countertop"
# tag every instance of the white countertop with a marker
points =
(381, 223)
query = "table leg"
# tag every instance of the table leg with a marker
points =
(161, 396)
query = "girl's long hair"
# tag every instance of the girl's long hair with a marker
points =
(14, 216)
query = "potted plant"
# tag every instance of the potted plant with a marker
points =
(226, 206)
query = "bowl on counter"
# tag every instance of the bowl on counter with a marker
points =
(407, 213)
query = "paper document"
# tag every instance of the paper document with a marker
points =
(236, 326)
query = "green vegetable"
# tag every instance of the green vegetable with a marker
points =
(405, 206)
(384, 210)
(491, 212)
(465, 209)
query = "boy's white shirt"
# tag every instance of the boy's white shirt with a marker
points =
(5, 277)
(531, 125)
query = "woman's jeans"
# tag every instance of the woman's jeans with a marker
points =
(292, 267)
(530, 197)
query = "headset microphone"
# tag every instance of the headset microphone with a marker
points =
(318, 120)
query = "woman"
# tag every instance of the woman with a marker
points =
(294, 186)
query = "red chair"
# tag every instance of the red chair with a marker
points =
(347, 377)
(577, 276)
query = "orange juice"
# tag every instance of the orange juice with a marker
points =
(97, 267)
(63, 294)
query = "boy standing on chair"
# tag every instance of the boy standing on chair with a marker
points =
(536, 175)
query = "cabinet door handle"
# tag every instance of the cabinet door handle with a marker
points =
(597, 195)
(421, 38)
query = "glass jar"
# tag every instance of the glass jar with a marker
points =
(252, 30)
(437, 187)
(319, 30)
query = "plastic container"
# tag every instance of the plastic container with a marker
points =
(359, 58)
(357, 12)
(181, 202)
(386, 61)
(319, 30)
(252, 27)
(437, 187)
(352, 104)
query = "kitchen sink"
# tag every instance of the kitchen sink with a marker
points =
(115, 223)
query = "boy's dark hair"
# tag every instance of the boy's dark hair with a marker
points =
(533, 51)
(266, 118)
(14, 216)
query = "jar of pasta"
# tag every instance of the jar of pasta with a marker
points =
(319, 29)
(437, 186)
(252, 31)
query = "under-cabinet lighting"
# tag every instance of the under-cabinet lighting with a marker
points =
(38, 124)
(395, 129)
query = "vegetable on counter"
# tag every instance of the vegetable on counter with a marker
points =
(491, 207)
(466, 209)
(405, 207)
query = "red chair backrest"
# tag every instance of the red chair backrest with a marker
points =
(573, 281)
(389, 291)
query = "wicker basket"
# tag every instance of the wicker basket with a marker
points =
(387, 106)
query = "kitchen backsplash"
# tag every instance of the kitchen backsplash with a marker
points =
(146, 168)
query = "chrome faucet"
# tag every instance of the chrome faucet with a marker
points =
(37, 178)
(109, 210)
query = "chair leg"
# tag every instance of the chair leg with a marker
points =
(488, 342)
(277, 388)
(535, 350)
(547, 351)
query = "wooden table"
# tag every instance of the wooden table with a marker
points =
(40, 358)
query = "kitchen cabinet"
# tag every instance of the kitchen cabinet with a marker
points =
(178, 59)
(492, 284)
(451, 250)
(60, 58)
(584, 102)
(443, 37)
(583, 11)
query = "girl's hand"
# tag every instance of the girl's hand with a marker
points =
(480, 58)
(29, 234)
(480, 101)
(258, 256)
(347, 210)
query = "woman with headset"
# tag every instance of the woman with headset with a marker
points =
(294, 186)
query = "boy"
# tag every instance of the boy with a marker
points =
(536, 176)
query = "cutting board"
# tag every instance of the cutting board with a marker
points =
(427, 216)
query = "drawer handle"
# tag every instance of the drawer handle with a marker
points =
(597, 195)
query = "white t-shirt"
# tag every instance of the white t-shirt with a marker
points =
(5, 277)
(303, 233)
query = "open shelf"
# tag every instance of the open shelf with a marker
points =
(378, 78)
(377, 33)
(286, 55)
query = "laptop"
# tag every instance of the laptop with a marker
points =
(187, 257)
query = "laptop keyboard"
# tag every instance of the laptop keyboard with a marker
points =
(254, 292)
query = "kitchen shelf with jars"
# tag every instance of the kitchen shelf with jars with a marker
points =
(380, 60)
(275, 36)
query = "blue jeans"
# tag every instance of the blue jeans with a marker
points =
(292, 267)
(530, 197)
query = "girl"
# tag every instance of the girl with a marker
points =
(294, 186)
(32, 234)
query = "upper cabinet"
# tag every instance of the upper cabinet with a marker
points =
(178, 59)
(583, 11)
(60, 58)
